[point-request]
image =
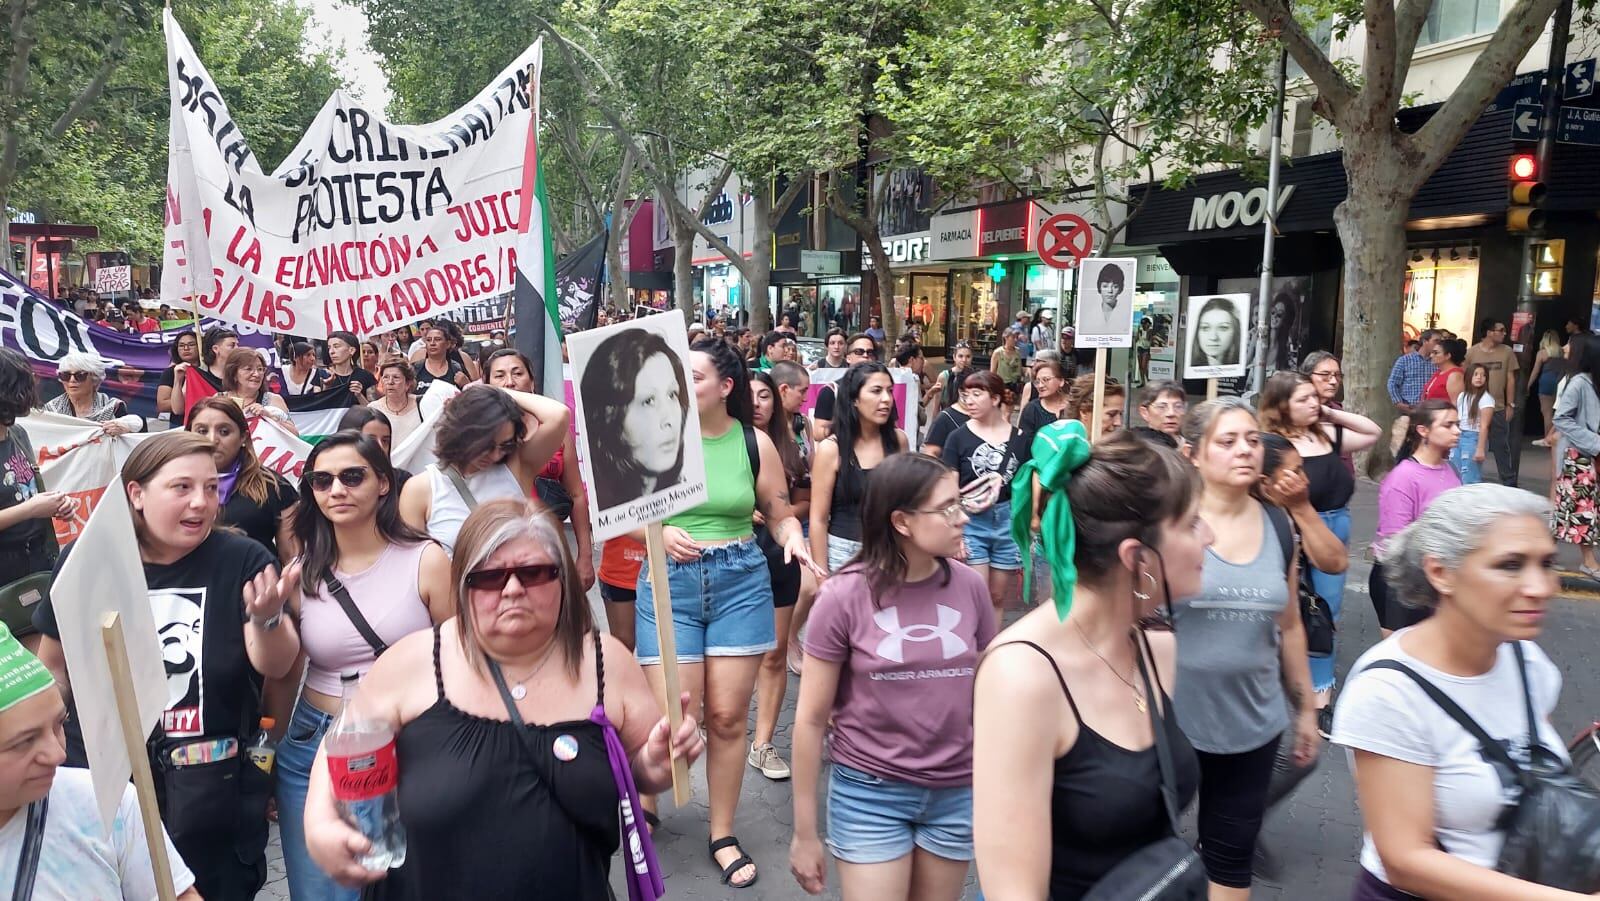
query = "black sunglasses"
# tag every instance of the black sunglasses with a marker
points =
(534, 574)
(351, 477)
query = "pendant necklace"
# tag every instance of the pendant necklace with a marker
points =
(518, 689)
(1138, 696)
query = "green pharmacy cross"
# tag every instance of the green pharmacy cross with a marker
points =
(997, 271)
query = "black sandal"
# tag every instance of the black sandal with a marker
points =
(744, 860)
(652, 822)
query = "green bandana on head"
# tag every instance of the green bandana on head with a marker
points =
(21, 674)
(1059, 449)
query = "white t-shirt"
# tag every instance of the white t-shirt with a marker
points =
(78, 859)
(1469, 419)
(1384, 712)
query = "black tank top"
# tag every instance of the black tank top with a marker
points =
(1105, 802)
(849, 487)
(480, 820)
(1330, 484)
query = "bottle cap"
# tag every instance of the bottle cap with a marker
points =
(268, 722)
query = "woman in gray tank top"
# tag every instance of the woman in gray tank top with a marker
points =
(1240, 644)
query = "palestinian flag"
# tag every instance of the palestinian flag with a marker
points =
(537, 307)
(317, 416)
(195, 389)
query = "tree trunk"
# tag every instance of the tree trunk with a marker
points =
(621, 218)
(758, 268)
(1372, 228)
(683, 269)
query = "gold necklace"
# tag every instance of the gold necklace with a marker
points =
(1138, 696)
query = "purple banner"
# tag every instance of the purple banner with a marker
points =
(45, 332)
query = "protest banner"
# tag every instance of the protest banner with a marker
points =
(77, 457)
(277, 448)
(113, 279)
(365, 226)
(642, 458)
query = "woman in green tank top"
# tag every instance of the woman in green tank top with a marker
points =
(722, 614)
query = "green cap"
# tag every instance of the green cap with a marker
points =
(21, 674)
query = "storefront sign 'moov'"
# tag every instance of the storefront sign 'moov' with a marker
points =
(1234, 208)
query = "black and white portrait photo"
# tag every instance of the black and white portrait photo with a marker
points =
(639, 433)
(1217, 326)
(1104, 313)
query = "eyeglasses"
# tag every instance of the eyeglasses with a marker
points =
(1166, 407)
(528, 576)
(1330, 376)
(75, 376)
(859, 352)
(352, 477)
(954, 513)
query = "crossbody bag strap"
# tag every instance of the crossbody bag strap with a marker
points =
(1491, 747)
(1169, 775)
(460, 483)
(32, 843)
(1527, 697)
(342, 595)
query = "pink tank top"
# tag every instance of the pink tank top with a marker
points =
(385, 593)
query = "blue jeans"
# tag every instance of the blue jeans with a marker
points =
(1331, 589)
(296, 753)
(721, 606)
(1470, 470)
(875, 820)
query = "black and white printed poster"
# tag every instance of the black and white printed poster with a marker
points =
(1104, 310)
(637, 421)
(1217, 328)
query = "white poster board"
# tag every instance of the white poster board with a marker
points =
(1216, 328)
(638, 429)
(1103, 315)
(113, 279)
(103, 575)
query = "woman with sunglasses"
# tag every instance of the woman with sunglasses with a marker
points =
(81, 375)
(244, 381)
(217, 603)
(253, 498)
(864, 435)
(1066, 782)
(1241, 644)
(491, 444)
(899, 718)
(521, 730)
(862, 348)
(358, 560)
(185, 350)
(509, 368)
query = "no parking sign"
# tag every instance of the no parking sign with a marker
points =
(1065, 239)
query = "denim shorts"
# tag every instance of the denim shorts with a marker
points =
(840, 550)
(721, 606)
(875, 820)
(988, 539)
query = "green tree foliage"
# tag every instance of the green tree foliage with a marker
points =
(83, 116)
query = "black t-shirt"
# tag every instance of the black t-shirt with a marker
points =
(168, 376)
(259, 522)
(198, 603)
(823, 410)
(971, 457)
(1034, 417)
(948, 420)
(425, 378)
(19, 481)
(336, 382)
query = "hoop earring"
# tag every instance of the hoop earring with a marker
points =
(1141, 595)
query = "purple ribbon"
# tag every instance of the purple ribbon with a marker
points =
(638, 850)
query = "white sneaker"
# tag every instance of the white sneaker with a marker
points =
(765, 758)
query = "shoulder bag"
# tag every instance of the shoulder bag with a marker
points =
(1314, 612)
(342, 595)
(32, 846)
(1168, 869)
(1552, 829)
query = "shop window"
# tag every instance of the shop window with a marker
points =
(1441, 291)
(1451, 19)
(928, 295)
(975, 310)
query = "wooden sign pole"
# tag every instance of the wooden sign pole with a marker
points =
(1099, 394)
(143, 784)
(661, 599)
(1211, 389)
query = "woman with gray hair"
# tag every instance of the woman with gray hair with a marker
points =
(81, 375)
(1482, 558)
(520, 731)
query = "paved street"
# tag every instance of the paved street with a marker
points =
(1315, 835)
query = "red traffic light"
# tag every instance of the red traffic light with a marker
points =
(1523, 166)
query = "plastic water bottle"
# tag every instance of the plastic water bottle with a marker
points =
(365, 778)
(264, 751)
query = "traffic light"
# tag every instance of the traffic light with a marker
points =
(1524, 211)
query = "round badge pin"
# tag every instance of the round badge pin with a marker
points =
(565, 748)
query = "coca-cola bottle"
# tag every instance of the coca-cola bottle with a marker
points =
(365, 777)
